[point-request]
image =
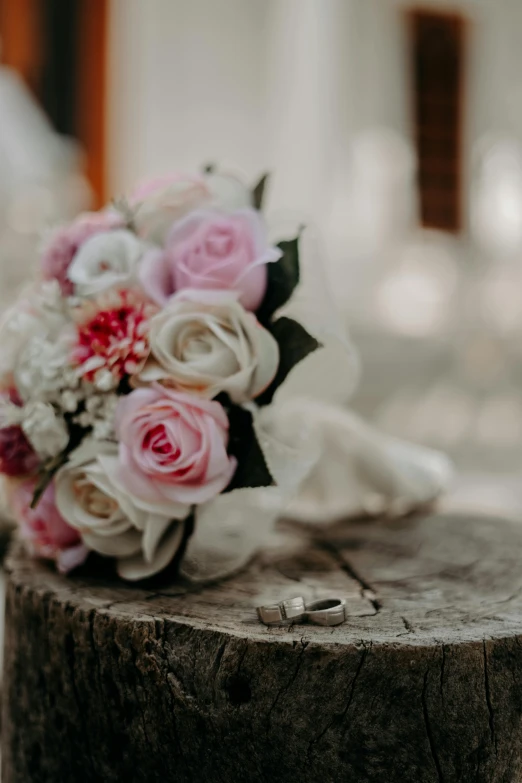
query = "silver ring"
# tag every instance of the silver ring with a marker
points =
(289, 611)
(326, 611)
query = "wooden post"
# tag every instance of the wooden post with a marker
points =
(422, 684)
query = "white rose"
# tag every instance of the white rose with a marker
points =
(111, 522)
(45, 429)
(228, 192)
(105, 260)
(158, 204)
(205, 342)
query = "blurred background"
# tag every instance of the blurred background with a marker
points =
(394, 126)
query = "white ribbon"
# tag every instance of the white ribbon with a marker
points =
(328, 464)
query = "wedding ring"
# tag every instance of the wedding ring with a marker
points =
(289, 611)
(326, 611)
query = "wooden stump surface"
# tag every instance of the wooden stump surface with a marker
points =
(110, 682)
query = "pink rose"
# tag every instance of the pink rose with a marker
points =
(212, 250)
(65, 242)
(173, 447)
(43, 528)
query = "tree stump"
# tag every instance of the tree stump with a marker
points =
(423, 683)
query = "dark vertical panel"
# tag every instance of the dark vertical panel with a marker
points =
(59, 75)
(91, 39)
(437, 57)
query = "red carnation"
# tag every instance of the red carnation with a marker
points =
(113, 336)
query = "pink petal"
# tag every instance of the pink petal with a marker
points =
(155, 276)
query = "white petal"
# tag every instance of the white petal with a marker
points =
(104, 260)
(154, 530)
(221, 543)
(134, 568)
(89, 450)
(238, 385)
(124, 545)
(166, 508)
(228, 191)
(267, 351)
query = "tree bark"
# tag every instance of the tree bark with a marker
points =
(422, 684)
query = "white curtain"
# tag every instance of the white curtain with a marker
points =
(308, 89)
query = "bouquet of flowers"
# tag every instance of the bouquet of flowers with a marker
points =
(132, 371)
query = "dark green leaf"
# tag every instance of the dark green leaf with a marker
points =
(283, 276)
(42, 484)
(259, 191)
(46, 476)
(209, 168)
(252, 470)
(294, 345)
(52, 466)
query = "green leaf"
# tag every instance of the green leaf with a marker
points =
(46, 476)
(259, 191)
(294, 345)
(283, 276)
(252, 470)
(122, 206)
(52, 466)
(209, 168)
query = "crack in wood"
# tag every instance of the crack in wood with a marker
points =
(217, 660)
(162, 641)
(429, 731)
(70, 654)
(365, 588)
(442, 669)
(340, 717)
(491, 713)
(290, 682)
(409, 627)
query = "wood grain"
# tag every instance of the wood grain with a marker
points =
(108, 682)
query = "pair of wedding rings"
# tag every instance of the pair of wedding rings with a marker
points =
(324, 611)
